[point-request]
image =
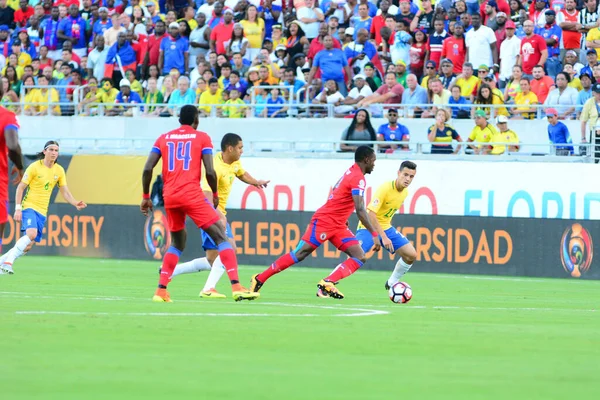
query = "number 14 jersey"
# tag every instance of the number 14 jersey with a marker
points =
(181, 150)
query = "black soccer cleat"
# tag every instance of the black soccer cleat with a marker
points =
(255, 284)
(387, 285)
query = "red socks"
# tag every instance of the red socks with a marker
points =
(169, 263)
(344, 270)
(281, 264)
(229, 260)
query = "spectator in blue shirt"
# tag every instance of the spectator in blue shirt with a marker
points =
(72, 28)
(183, 96)
(173, 51)
(275, 105)
(370, 10)
(363, 20)
(101, 25)
(235, 82)
(414, 94)
(125, 96)
(558, 133)
(270, 13)
(332, 63)
(552, 34)
(62, 84)
(392, 132)
(455, 102)
(586, 93)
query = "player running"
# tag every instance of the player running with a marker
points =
(388, 199)
(9, 143)
(330, 222)
(227, 167)
(40, 179)
(184, 150)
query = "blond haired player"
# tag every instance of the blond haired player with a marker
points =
(228, 167)
(388, 199)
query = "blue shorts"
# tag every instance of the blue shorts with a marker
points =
(33, 219)
(208, 243)
(366, 239)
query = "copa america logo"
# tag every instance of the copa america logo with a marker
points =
(157, 238)
(576, 250)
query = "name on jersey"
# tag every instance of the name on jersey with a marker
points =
(181, 136)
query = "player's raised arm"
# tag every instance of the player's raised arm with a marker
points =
(151, 162)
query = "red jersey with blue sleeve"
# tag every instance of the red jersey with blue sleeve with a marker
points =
(340, 205)
(8, 120)
(181, 150)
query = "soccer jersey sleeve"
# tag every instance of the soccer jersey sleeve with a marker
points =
(30, 173)
(157, 145)
(378, 199)
(240, 170)
(455, 134)
(207, 146)
(357, 185)
(10, 121)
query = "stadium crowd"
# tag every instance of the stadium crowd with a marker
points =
(502, 58)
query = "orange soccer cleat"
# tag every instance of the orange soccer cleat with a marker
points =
(162, 296)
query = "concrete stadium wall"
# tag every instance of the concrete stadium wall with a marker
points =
(253, 129)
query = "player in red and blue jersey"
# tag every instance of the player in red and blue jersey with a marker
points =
(9, 143)
(184, 150)
(330, 222)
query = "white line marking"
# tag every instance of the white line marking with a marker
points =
(360, 311)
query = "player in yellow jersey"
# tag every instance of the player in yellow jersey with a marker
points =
(388, 199)
(228, 167)
(40, 179)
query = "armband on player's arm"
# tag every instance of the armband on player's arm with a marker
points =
(18, 207)
(146, 196)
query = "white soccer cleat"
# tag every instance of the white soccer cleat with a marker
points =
(6, 269)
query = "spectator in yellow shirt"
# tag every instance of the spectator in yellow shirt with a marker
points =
(213, 96)
(136, 86)
(525, 100)
(234, 107)
(254, 29)
(486, 98)
(482, 133)
(44, 96)
(277, 36)
(13, 64)
(504, 137)
(467, 81)
(29, 108)
(107, 94)
(23, 58)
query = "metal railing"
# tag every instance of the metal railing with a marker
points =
(583, 153)
(296, 107)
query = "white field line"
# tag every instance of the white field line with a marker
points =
(340, 311)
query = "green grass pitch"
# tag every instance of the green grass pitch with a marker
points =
(76, 328)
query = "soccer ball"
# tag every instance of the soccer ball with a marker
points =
(401, 292)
